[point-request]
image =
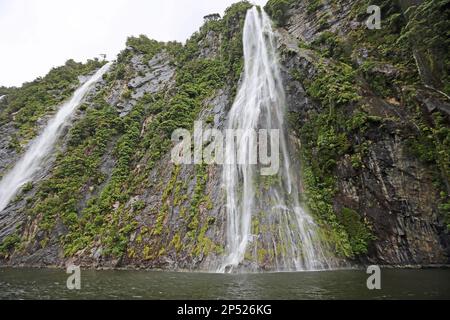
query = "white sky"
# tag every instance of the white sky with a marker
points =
(36, 35)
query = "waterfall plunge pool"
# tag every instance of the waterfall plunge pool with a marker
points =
(344, 284)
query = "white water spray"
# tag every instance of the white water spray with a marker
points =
(41, 147)
(266, 227)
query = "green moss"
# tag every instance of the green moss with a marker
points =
(255, 225)
(334, 84)
(177, 243)
(210, 120)
(384, 47)
(198, 197)
(319, 192)
(147, 253)
(14, 143)
(131, 253)
(379, 83)
(167, 192)
(126, 94)
(139, 205)
(27, 187)
(145, 46)
(331, 45)
(204, 245)
(9, 244)
(359, 233)
(139, 238)
(262, 255)
(323, 22)
(313, 6)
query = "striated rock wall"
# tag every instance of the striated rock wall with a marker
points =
(371, 138)
(397, 193)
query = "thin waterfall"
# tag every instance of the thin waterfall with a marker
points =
(41, 147)
(267, 228)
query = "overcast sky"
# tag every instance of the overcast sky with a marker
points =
(36, 35)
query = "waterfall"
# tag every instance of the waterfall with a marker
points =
(40, 148)
(267, 228)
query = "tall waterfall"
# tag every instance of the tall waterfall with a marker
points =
(267, 228)
(40, 148)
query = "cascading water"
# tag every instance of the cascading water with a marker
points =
(266, 226)
(40, 148)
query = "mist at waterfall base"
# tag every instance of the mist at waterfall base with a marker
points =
(287, 233)
(40, 149)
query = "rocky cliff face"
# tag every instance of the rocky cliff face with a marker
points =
(383, 106)
(372, 130)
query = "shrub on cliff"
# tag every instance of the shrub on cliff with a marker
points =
(277, 9)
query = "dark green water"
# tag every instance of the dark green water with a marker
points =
(396, 284)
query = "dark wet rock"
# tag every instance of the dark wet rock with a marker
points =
(394, 190)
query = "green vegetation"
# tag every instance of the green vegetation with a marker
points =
(58, 196)
(6, 90)
(427, 32)
(32, 101)
(8, 244)
(359, 233)
(27, 187)
(232, 48)
(414, 40)
(108, 214)
(277, 9)
(106, 218)
(144, 45)
(326, 137)
(326, 141)
(332, 46)
(334, 84)
(313, 6)
(339, 129)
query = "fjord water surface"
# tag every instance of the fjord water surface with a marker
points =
(345, 284)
